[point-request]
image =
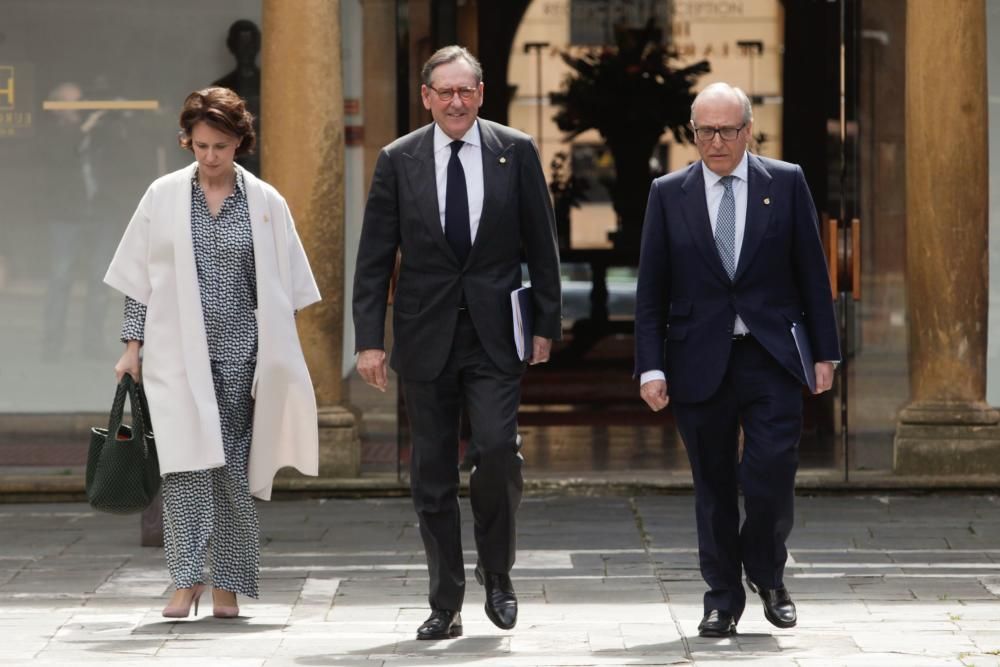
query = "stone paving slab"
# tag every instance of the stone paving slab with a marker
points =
(608, 580)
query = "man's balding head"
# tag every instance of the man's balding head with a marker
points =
(720, 93)
(721, 118)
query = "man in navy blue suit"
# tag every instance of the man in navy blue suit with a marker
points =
(730, 262)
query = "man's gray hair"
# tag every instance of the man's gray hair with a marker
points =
(721, 86)
(449, 54)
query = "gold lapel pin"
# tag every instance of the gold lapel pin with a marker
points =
(266, 219)
(503, 160)
(767, 201)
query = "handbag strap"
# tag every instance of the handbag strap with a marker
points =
(143, 411)
(137, 401)
(118, 406)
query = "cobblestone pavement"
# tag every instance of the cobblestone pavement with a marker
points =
(895, 580)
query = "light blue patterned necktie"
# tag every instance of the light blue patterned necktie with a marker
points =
(725, 227)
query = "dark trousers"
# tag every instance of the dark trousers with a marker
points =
(766, 400)
(471, 382)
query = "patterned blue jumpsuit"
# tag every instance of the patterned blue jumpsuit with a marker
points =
(209, 515)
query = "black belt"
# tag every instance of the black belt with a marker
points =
(742, 336)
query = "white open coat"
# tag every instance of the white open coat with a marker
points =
(154, 264)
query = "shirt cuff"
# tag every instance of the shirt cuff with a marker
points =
(649, 376)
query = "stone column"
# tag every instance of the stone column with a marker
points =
(302, 107)
(379, 65)
(947, 428)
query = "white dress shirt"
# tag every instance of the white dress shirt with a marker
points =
(713, 197)
(471, 157)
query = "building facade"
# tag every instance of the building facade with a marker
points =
(888, 112)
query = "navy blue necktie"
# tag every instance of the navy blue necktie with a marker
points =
(456, 207)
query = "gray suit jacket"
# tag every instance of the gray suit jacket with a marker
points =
(402, 212)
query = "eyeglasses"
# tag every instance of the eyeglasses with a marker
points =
(707, 134)
(446, 94)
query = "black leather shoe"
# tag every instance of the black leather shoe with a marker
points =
(779, 609)
(717, 623)
(501, 603)
(442, 624)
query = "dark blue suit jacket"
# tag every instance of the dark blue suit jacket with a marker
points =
(686, 305)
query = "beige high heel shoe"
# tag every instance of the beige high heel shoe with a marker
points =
(224, 611)
(183, 610)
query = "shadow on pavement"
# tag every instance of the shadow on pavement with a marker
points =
(462, 651)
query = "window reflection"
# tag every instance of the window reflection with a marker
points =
(88, 118)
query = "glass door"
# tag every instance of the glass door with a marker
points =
(853, 85)
(872, 233)
(826, 79)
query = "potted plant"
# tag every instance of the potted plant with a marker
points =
(631, 94)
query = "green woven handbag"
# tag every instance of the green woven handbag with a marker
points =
(123, 474)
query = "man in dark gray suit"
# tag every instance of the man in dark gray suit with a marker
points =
(461, 199)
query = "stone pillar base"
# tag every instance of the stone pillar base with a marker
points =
(947, 438)
(339, 443)
(949, 413)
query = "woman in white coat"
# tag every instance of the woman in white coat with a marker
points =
(213, 273)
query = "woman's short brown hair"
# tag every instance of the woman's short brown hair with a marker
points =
(222, 109)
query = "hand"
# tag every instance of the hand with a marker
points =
(824, 376)
(541, 349)
(372, 368)
(129, 363)
(655, 394)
